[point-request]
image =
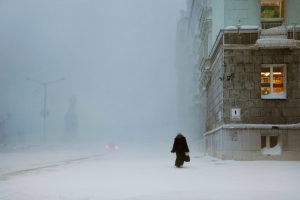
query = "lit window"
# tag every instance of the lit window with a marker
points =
(271, 13)
(273, 81)
(272, 9)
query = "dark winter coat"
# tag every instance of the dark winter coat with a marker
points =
(180, 145)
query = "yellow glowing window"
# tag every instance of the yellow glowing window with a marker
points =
(272, 8)
(265, 81)
(278, 80)
(273, 81)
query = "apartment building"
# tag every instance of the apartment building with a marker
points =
(249, 63)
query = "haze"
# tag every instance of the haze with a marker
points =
(116, 59)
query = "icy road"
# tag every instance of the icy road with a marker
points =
(148, 175)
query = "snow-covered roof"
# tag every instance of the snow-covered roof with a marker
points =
(276, 42)
(279, 30)
(241, 27)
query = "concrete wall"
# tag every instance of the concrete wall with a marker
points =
(292, 8)
(235, 144)
(241, 140)
(293, 141)
(244, 12)
(243, 90)
(215, 94)
(248, 12)
(214, 144)
(244, 144)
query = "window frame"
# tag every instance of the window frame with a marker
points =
(266, 149)
(280, 9)
(272, 21)
(272, 95)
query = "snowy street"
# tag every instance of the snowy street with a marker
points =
(145, 176)
(95, 95)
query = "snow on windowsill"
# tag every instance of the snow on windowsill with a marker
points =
(272, 151)
(281, 95)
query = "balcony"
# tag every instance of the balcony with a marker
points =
(277, 37)
(267, 23)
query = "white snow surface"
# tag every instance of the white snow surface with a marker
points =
(141, 173)
(276, 42)
(272, 151)
(241, 27)
(279, 30)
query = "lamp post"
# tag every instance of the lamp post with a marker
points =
(3, 134)
(44, 112)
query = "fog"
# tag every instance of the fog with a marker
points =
(114, 59)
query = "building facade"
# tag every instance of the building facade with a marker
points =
(249, 63)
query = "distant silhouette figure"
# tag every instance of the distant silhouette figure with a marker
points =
(181, 148)
(71, 120)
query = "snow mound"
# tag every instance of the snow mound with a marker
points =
(279, 31)
(276, 42)
(272, 151)
(241, 27)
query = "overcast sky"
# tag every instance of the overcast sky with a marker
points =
(117, 57)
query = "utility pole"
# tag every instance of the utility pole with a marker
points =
(44, 112)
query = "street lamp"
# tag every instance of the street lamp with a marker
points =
(44, 112)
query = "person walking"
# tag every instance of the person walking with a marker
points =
(181, 149)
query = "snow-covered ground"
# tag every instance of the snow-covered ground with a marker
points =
(141, 174)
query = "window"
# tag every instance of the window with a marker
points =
(273, 81)
(273, 141)
(271, 13)
(263, 141)
(269, 141)
(270, 145)
(272, 9)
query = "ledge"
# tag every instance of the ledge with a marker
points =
(277, 43)
(253, 126)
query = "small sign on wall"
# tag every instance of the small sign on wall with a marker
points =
(235, 114)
